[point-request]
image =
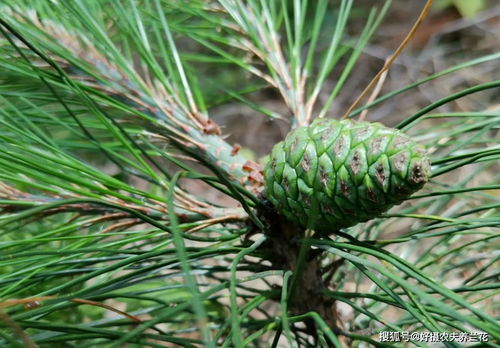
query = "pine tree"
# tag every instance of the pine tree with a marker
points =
(107, 116)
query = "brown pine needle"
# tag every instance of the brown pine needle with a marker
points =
(389, 62)
(34, 302)
(18, 330)
(374, 94)
(105, 306)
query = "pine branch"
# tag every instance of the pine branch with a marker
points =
(148, 98)
(16, 205)
(290, 63)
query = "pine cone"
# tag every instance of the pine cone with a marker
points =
(334, 174)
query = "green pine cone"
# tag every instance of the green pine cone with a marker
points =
(334, 174)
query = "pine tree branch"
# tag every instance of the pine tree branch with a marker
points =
(150, 98)
(261, 39)
(15, 204)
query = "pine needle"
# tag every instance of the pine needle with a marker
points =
(388, 63)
